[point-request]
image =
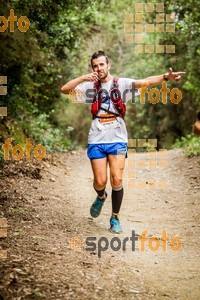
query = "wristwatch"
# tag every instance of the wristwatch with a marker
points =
(165, 77)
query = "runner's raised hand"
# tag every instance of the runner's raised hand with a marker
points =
(91, 77)
(174, 75)
(69, 86)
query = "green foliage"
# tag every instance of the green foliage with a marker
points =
(190, 143)
(168, 122)
(57, 48)
(50, 137)
(36, 61)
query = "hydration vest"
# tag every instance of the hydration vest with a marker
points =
(115, 97)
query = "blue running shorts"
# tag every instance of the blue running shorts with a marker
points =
(96, 151)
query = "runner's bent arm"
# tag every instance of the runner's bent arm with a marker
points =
(65, 89)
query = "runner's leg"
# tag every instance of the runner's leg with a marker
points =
(99, 168)
(116, 163)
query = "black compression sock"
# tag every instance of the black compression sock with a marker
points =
(101, 193)
(117, 200)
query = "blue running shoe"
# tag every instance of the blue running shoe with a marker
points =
(97, 205)
(115, 226)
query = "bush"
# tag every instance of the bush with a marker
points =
(190, 143)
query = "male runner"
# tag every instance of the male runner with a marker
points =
(108, 135)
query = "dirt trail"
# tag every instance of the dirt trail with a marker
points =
(45, 214)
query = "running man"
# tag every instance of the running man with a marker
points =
(107, 137)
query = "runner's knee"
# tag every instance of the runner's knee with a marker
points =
(115, 181)
(100, 183)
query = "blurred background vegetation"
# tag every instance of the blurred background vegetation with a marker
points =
(57, 48)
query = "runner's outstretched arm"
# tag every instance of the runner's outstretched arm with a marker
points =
(155, 80)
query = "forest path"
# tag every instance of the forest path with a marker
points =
(49, 221)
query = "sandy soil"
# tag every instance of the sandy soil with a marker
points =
(46, 205)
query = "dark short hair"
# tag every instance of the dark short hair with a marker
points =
(98, 54)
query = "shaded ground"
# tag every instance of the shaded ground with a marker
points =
(47, 206)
